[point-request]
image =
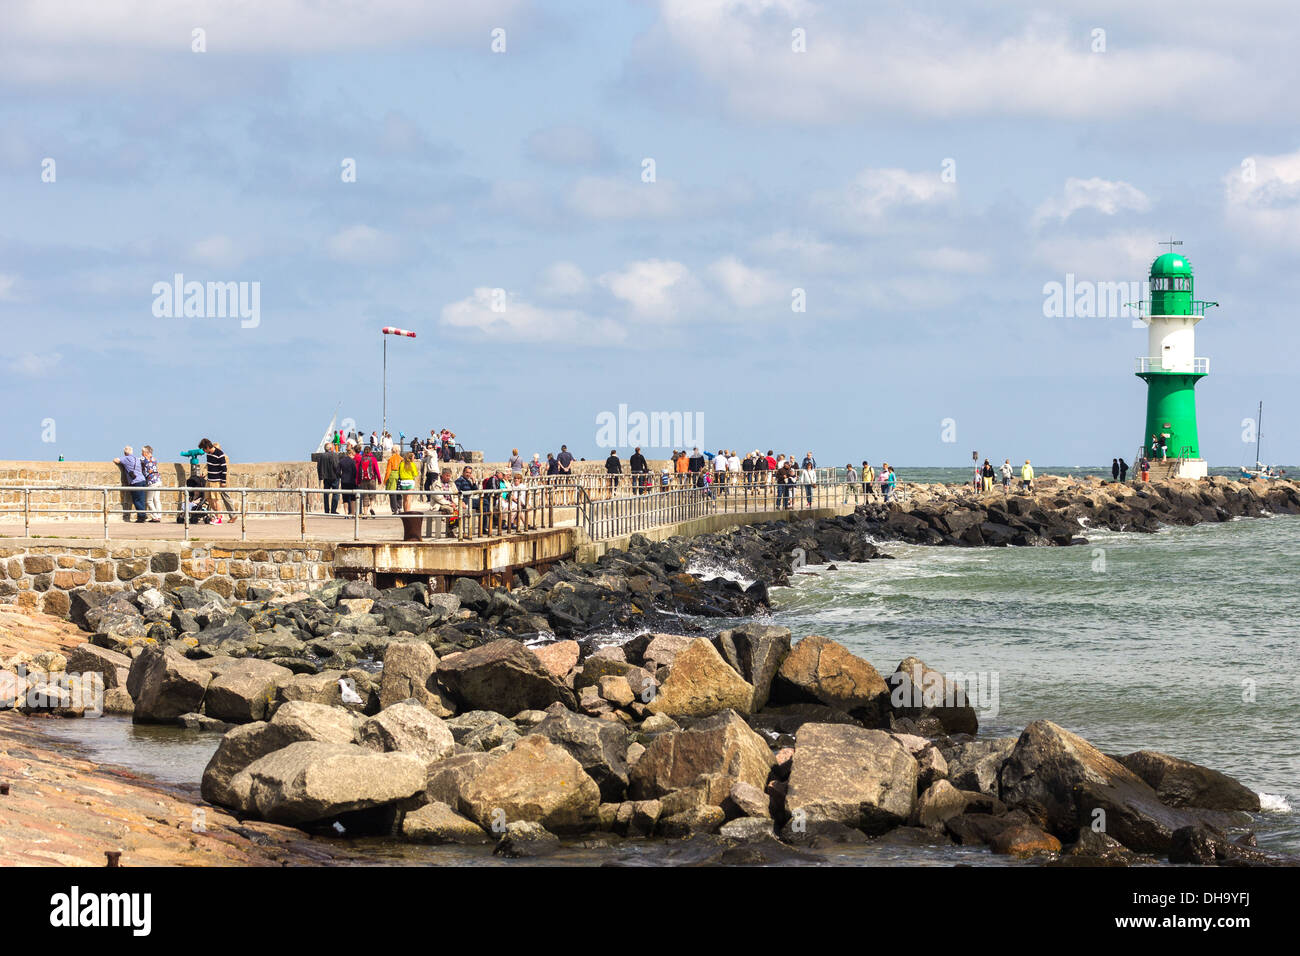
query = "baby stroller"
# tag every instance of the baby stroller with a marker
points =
(195, 502)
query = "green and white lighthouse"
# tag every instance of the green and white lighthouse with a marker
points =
(1171, 367)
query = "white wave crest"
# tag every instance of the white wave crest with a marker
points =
(1272, 803)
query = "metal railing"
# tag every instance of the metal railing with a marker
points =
(652, 506)
(1154, 363)
(464, 515)
(1195, 306)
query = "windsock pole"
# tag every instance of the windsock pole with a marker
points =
(387, 331)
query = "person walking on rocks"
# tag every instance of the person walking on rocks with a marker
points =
(1114, 469)
(1027, 477)
(1006, 476)
(1123, 470)
(987, 473)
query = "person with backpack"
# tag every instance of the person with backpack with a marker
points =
(348, 480)
(367, 478)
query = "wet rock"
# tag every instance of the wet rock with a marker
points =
(1180, 783)
(975, 765)
(745, 829)
(440, 824)
(700, 819)
(1024, 841)
(165, 685)
(526, 839)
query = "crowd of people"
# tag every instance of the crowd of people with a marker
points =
(140, 473)
(986, 476)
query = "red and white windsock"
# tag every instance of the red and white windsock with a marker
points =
(389, 330)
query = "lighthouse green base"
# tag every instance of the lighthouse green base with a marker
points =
(1171, 409)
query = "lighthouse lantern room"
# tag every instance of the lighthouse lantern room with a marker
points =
(1171, 367)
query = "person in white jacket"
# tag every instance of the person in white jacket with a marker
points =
(808, 478)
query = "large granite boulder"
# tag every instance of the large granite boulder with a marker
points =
(755, 651)
(244, 690)
(713, 754)
(503, 676)
(974, 765)
(408, 727)
(86, 658)
(1065, 783)
(241, 746)
(311, 782)
(861, 778)
(701, 683)
(600, 746)
(439, 823)
(1181, 783)
(164, 684)
(534, 781)
(919, 691)
(820, 671)
(409, 669)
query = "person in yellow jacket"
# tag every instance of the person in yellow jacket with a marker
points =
(408, 477)
(1027, 477)
(390, 477)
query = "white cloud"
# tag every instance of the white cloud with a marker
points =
(218, 252)
(508, 320)
(1117, 257)
(748, 287)
(31, 365)
(7, 283)
(652, 287)
(361, 243)
(1262, 199)
(608, 197)
(874, 193)
(865, 59)
(951, 259)
(563, 280)
(1104, 195)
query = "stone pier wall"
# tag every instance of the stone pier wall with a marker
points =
(38, 573)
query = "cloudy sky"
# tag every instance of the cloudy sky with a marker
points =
(582, 205)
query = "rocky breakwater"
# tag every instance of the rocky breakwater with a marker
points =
(1060, 511)
(756, 748)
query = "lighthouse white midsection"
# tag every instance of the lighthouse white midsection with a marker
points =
(1172, 340)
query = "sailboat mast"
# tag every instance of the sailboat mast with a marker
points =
(1259, 419)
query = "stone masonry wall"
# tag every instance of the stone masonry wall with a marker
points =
(37, 573)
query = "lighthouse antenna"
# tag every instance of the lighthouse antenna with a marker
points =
(1170, 242)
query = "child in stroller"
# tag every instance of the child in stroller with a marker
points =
(195, 503)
